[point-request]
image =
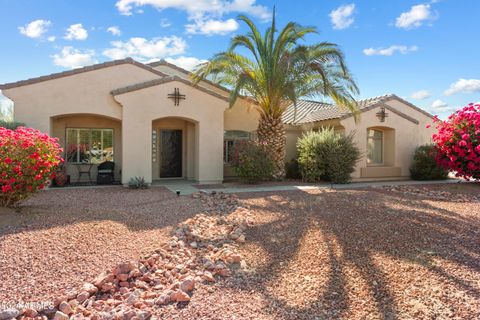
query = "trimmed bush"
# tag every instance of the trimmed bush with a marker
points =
(425, 166)
(252, 161)
(28, 160)
(327, 155)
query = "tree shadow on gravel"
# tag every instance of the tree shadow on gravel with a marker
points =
(363, 224)
(154, 208)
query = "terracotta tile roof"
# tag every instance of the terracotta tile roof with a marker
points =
(80, 70)
(313, 111)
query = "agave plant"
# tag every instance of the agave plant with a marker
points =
(276, 72)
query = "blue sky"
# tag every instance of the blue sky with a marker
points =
(425, 51)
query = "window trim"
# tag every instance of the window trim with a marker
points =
(247, 136)
(379, 164)
(90, 129)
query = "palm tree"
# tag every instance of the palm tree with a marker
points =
(277, 71)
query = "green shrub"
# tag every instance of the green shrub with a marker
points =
(252, 161)
(137, 183)
(292, 169)
(327, 155)
(424, 165)
(12, 125)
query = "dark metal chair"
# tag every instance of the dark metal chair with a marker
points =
(106, 172)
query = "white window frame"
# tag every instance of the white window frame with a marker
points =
(245, 136)
(90, 142)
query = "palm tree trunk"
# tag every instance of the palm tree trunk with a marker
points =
(271, 131)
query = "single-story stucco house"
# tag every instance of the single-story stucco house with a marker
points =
(153, 123)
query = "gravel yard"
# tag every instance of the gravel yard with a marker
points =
(409, 252)
(63, 237)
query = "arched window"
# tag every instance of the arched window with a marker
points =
(229, 139)
(374, 147)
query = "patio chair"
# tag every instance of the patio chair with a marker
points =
(106, 173)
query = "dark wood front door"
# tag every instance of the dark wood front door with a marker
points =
(170, 153)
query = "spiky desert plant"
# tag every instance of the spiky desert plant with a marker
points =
(276, 72)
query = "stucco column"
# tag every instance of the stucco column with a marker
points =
(136, 145)
(210, 153)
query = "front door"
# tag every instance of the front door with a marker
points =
(170, 153)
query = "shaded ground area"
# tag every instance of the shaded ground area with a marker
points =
(353, 254)
(63, 237)
(348, 254)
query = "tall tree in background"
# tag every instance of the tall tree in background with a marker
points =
(276, 72)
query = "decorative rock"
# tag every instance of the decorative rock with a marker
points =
(180, 296)
(122, 277)
(90, 288)
(9, 314)
(60, 316)
(208, 276)
(82, 296)
(187, 285)
(30, 312)
(65, 307)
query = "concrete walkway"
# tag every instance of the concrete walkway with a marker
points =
(186, 187)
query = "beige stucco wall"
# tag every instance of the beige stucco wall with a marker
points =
(60, 124)
(400, 134)
(141, 107)
(84, 93)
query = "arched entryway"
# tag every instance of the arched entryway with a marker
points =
(87, 141)
(174, 148)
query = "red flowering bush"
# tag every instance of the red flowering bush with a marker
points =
(458, 142)
(28, 160)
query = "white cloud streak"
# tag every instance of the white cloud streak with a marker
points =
(420, 95)
(187, 63)
(70, 57)
(463, 86)
(390, 50)
(146, 50)
(211, 27)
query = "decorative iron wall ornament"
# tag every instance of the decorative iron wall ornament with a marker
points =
(381, 115)
(176, 96)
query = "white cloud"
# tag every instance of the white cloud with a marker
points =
(438, 106)
(73, 58)
(390, 50)
(342, 17)
(463, 85)
(417, 15)
(211, 27)
(187, 63)
(146, 50)
(204, 14)
(51, 38)
(35, 29)
(114, 30)
(420, 95)
(197, 9)
(164, 23)
(76, 32)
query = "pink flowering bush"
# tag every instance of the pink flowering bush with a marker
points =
(458, 142)
(28, 160)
